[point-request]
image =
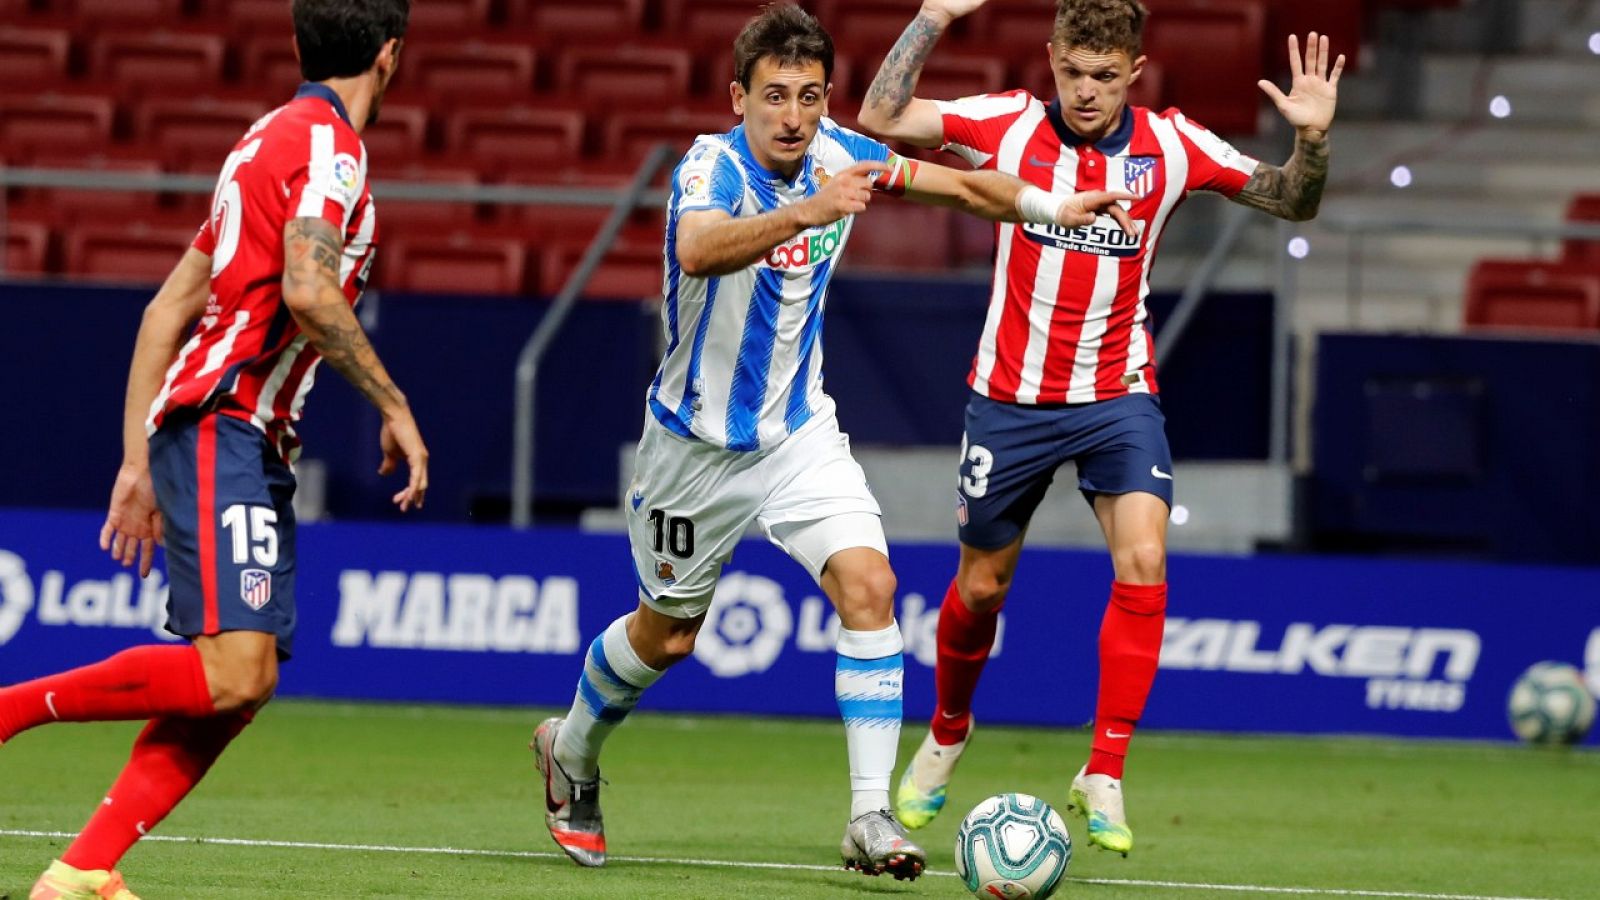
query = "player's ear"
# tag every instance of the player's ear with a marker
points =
(1137, 69)
(389, 56)
(826, 93)
(736, 92)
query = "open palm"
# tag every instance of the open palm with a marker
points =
(1313, 91)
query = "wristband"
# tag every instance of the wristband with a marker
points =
(1039, 206)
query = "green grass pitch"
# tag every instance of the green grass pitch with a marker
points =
(730, 807)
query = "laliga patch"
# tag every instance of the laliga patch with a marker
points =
(695, 186)
(346, 179)
(255, 587)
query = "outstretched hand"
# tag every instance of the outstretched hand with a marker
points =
(1313, 90)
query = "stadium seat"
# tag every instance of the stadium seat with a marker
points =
(1584, 208)
(137, 59)
(199, 131)
(869, 22)
(471, 70)
(27, 248)
(579, 18)
(1532, 294)
(1343, 21)
(900, 234)
(630, 271)
(1218, 89)
(399, 135)
(267, 62)
(54, 121)
(485, 138)
(435, 16)
(656, 72)
(1038, 77)
(152, 12)
(252, 16)
(1016, 23)
(460, 262)
(408, 218)
(720, 18)
(950, 75)
(87, 202)
(136, 253)
(33, 56)
(630, 135)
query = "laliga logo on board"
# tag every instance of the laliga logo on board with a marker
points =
(88, 603)
(746, 627)
(16, 594)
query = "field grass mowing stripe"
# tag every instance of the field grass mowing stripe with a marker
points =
(738, 864)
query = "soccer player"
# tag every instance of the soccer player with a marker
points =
(207, 446)
(1065, 368)
(738, 429)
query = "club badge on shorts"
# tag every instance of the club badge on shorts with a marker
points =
(255, 587)
(664, 574)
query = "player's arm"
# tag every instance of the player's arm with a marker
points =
(133, 522)
(1000, 197)
(890, 110)
(312, 292)
(1293, 191)
(712, 242)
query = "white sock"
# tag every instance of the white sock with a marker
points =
(613, 679)
(867, 683)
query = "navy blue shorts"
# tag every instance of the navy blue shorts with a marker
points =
(1010, 454)
(229, 528)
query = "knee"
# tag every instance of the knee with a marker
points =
(1143, 562)
(674, 648)
(243, 689)
(982, 590)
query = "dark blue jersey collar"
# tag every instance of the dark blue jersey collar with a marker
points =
(1110, 145)
(316, 89)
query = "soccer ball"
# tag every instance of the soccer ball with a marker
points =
(1013, 846)
(1550, 704)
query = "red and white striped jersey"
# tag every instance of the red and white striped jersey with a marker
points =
(1066, 319)
(247, 357)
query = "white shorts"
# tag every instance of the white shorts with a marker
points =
(691, 502)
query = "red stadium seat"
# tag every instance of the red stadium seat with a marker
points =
(873, 23)
(409, 218)
(434, 16)
(630, 271)
(1038, 77)
(1017, 23)
(399, 135)
(27, 248)
(579, 18)
(87, 203)
(461, 262)
(1216, 46)
(471, 69)
(950, 75)
(1532, 294)
(253, 16)
(152, 12)
(630, 135)
(899, 234)
(267, 62)
(53, 121)
(721, 20)
(1585, 208)
(157, 58)
(594, 73)
(1343, 21)
(487, 137)
(135, 253)
(33, 55)
(200, 131)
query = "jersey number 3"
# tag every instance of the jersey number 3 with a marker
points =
(977, 461)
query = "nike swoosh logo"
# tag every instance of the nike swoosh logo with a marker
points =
(50, 703)
(1156, 471)
(1036, 161)
(1117, 735)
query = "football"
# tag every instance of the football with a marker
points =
(1013, 846)
(1550, 704)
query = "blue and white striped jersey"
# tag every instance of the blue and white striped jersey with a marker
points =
(743, 367)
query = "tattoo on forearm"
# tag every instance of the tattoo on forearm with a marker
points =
(890, 92)
(312, 252)
(1294, 191)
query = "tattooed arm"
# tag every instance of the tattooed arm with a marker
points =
(1294, 190)
(889, 109)
(312, 292)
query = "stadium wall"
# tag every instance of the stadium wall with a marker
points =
(487, 615)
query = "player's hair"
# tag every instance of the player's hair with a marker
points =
(784, 31)
(1101, 25)
(342, 38)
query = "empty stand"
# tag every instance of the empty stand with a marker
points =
(878, 22)
(579, 18)
(723, 19)
(900, 234)
(625, 72)
(471, 69)
(630, 271)
(1584, 208)
(154, 12)
(408, 218)
(33, 56)
(630, 135)
(400, 134)
(267, 61)
(1215, 46)
(27, 247)
(136, 253)
(488, 137)
(1533, 295)
(51, 121)
(161, 58)
(448, 15)
(1341, 20)
(198, 132)
(460, 262)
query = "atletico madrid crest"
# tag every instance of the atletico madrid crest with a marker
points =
(255, 587)
(1139, 174)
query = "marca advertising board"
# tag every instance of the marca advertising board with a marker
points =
(487, 615)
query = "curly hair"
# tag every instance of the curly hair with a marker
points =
(1101, 25)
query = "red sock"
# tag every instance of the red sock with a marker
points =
(141, 683)
(1130, 647)
(169, 759)
(965, 638)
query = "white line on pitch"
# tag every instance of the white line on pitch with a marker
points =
(738, 864)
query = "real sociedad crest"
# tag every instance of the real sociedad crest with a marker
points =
(1139, 174)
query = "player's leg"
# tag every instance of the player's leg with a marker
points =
(688, 508)
(1129, 479)
(1009, 456)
